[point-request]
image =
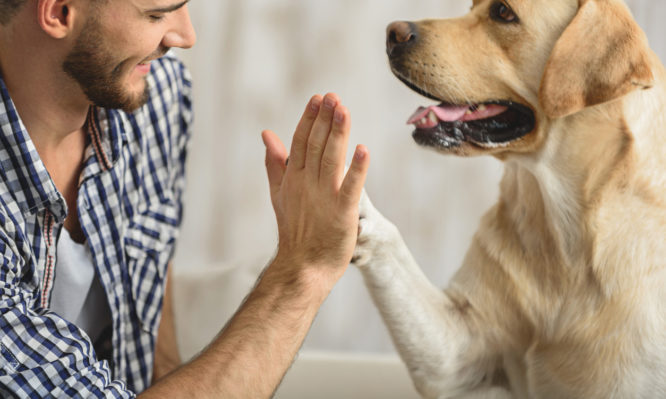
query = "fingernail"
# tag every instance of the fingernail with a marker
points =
(315, 104)
(329, 103)
(360, 154)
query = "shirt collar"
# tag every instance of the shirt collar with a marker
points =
(106, 128)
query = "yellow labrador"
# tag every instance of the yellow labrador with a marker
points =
(562, 293)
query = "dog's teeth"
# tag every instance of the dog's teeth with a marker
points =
(424, 121)
(482, 107)
(469, 112)
(433, 118)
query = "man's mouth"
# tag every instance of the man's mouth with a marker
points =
(143, 67)
(489, 124)
(159, 53)
(147, 61)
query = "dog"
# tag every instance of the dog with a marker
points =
(562, 293)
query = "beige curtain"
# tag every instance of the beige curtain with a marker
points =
(256, 64)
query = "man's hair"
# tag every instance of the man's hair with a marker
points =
(8, 8)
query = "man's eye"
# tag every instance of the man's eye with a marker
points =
(502, 13)
(156, 18)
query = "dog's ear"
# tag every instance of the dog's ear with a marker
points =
(602, 55)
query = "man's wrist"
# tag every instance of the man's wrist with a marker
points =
(313, 281)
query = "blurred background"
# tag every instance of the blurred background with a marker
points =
(256, 64)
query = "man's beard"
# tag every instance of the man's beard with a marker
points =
(92, 67)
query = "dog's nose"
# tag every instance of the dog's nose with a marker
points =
(400, 34)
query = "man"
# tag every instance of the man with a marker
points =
(94, 123)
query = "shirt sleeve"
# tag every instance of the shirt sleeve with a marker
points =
(41, 354)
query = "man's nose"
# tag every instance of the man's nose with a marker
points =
(399, 36)
(182, 35)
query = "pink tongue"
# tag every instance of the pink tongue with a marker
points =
(444, 113)
(452, 113)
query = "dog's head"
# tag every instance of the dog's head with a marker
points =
(509, 68)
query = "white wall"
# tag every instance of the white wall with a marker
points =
(256, 64)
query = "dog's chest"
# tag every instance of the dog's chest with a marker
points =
(610, 350)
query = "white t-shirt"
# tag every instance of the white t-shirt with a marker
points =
(78, 295)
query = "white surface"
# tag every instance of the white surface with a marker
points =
(323, 375)
(256, 64)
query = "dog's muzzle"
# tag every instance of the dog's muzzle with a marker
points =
(488, 124)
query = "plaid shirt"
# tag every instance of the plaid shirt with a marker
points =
(129, 205)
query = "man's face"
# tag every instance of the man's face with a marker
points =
(110, 61)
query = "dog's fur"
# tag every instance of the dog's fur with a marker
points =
(562, 293)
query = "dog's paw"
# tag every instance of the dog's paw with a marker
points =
(363, 250)
(374, 231)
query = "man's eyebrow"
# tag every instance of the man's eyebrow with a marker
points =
(167, 9)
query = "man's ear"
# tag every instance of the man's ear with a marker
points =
(602, 55)
(55, 17)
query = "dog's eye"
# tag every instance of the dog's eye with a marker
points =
(502, 13)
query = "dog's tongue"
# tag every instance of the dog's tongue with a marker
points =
(445, 113)
(429, 117)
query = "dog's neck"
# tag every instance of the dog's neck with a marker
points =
(587, 158)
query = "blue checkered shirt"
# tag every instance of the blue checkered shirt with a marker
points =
(129, 204)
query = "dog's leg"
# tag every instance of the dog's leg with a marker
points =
(431, 330)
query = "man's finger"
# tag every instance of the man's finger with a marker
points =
(352, 185)
(300, 141)
(319, 135)
(276, 157)
(333, 160)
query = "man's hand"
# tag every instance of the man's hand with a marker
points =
(315, 203)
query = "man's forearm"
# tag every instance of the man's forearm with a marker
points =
(253, 352)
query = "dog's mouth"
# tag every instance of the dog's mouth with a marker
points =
(489, 124)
